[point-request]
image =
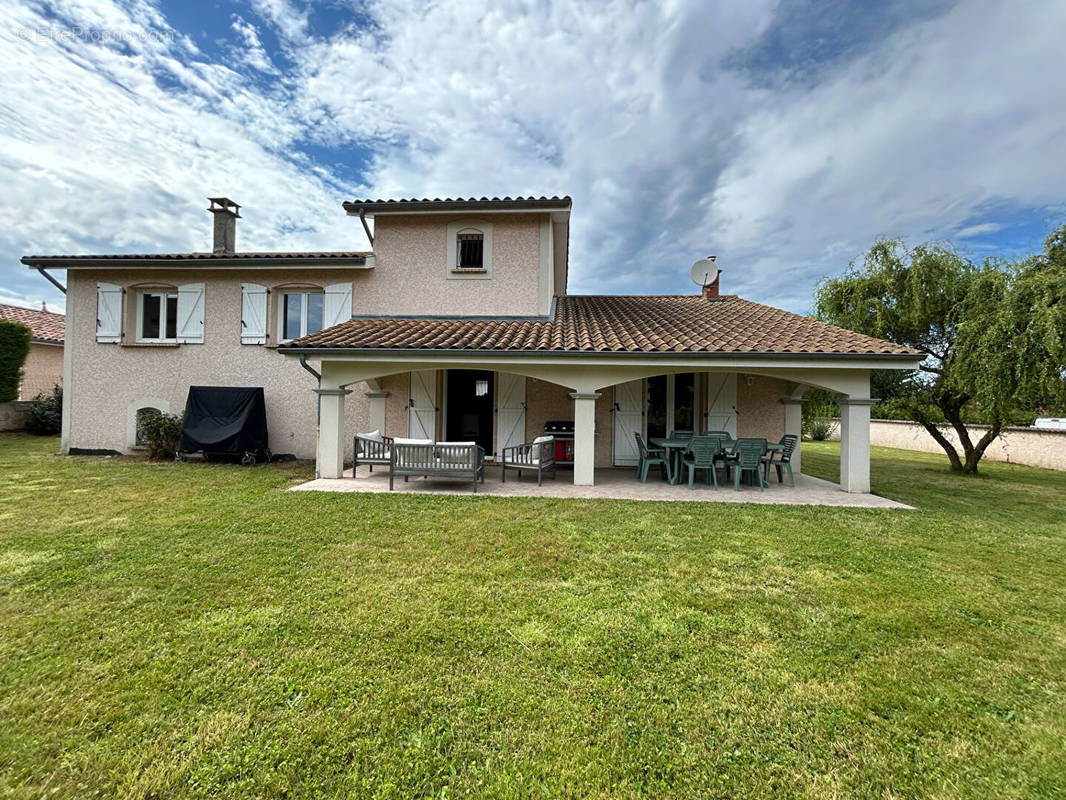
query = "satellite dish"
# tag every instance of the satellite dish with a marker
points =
(704, 271)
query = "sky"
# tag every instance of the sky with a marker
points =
(783, 136)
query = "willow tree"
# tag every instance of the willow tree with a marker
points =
(992, 333)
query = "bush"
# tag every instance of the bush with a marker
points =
(46, 413)
(160, 433)
(819, 420)
(14, 347)
(819, 428)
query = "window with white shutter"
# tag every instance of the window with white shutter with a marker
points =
(253, 313)
(190, 328)
(108, 312)
(338, 304)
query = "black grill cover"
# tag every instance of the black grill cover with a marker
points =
(224, 419)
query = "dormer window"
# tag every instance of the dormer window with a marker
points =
(470, 250)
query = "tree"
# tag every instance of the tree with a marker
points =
(992, 333)
(14, 347)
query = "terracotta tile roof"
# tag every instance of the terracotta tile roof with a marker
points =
(203, 257)
(370, 207)
(615, 324)
(47, 326)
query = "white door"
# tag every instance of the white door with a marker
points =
(422, 405)
(510, 410)
(628, 418)
(722, 402)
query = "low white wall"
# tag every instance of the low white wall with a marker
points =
(13, 415)
(1030, 446)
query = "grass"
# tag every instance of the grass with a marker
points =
(194, 630)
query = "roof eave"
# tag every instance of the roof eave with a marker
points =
(246, 262)
(375, 208)
(907, 360)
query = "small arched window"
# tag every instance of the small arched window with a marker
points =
(470, 249)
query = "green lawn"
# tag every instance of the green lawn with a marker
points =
(194, 630)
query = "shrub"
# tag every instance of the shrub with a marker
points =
(14, 347)
(819, 423)
(46, 413)
(160, 433)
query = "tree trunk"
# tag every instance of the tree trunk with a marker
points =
(942, 440)
(982, 444)
(939, 438)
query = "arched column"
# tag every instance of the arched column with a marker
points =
(794, 426)
(585, 437)
(330, 461)
(855, 443)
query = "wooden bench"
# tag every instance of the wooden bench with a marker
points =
(438, 460)
(373, 451)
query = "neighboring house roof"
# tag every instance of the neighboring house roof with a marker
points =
(47, 327)
(372, 207)
(668, 324)
(200, 259)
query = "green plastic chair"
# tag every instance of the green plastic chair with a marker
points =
(788, 447)
(722, 457)
(702, 453)
(652, 457)
(749, 461)
(682, 433)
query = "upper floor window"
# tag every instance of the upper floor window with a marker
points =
(157, 317)
(301, 314)
(470, 250)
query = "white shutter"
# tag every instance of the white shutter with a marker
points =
(628, 421)
(191, 313)
(722, 402)
(337, 306)
(253, 313)
(108, 312)
(422, 408)
(510, 410)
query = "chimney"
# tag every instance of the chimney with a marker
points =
(226, 215)
(44, 306)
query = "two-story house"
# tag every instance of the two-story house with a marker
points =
(457, 325)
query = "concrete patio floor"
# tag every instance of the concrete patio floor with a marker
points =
(620, 484)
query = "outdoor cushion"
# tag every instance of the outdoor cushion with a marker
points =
(542, 439)
(412, 441)
(373, 435)
(455, 444)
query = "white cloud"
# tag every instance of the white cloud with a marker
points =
(628, 106)
(981, 229)
(251, 52)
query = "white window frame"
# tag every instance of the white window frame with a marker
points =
(164, 296)
(451, 254)
(283, 302)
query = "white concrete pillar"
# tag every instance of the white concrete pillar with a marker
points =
(855, 443)
(330, 462)
(585, 437)
(794, 426)
(378, 400)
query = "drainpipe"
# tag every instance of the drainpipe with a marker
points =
(52, 280)
(318, 377)
(362, 218)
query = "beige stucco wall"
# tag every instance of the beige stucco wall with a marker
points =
(760, 412)
(1030, 446)
(412, 268)
(42, 371)
(106, 378)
